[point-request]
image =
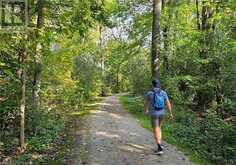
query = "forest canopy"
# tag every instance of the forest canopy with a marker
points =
(58, 55)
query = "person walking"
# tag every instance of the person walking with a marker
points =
(155, 102)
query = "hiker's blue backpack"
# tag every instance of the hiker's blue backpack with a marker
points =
(158, 101)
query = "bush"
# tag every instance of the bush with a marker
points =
(46, 131)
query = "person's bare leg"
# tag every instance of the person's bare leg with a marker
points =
(157, 132)
(160, 124)
(160, 120)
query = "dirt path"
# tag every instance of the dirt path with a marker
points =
(111, 136)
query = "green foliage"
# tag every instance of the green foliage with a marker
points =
(47, 131)
(197, 68)
(87, 75)
(66, 82)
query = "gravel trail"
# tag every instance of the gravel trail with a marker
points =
(111, 136)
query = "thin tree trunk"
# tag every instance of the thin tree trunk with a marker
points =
(207, 13)
(38, 56)
(102, 61)
(219, 91)
(157, 5)
(12, 13)
(40, 20)
(117, 80)
(198, 15)
(22, 55)
(22, 110)
(165, 57)
(3, 13)
(205, 42)
(219, 94)
(37, 75)
(166, 31)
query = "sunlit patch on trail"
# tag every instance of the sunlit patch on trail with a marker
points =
(116, 116)
(98, 112)
(103, 103)
(107, 135)
(93, 104)
(130, 148)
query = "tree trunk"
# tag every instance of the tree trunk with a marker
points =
(198, 15)
(22, 71)
(207, 13)
(22, 55)
(166, 31)
(102, 61)
(40, 20)
(22, 109)
(37, 75)
(117, 80)
(157, 5)
(3, 14)
(219, 98)
(219, 92)
(12, 13)
(38, 56)
(205, 42)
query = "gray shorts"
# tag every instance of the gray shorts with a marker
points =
(155, 120)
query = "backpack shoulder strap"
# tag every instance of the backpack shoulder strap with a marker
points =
(154, 92)
(154, 96)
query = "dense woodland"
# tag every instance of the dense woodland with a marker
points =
(68, 52)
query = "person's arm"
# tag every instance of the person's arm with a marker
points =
(146, 103)
(146, 106)
(169, 107)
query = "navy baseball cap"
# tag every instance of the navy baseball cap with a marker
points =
(156, 83)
